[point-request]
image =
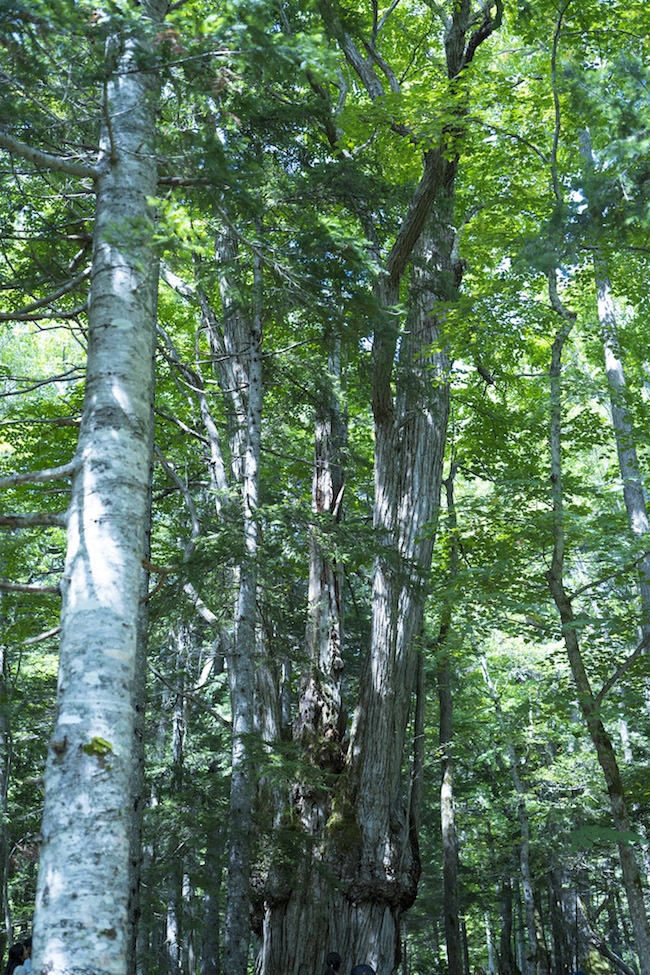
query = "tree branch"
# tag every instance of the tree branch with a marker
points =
(47, 300)
(49, 519)
(41, 636)
(46, 161)
(36, 477)
(29, 589)
(189, 697)
(620, 671)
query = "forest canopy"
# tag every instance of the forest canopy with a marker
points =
(324, 568)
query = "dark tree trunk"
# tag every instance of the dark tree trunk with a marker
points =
(507, 963)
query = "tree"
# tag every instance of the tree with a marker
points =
(368, 811)
(88, 779)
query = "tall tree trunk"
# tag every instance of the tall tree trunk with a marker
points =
(138, 797)
(589, 705)
(368, 846)
(242, 339)
(86, 822)
(361, 919)
(628, 460)
(320, 722)
(507, 963)
(447, 813)
(182, 640)
(210, 948)
(561, 954)
(536, 939)
(5, 770)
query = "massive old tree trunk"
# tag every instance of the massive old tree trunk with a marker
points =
(366, 832)
(81, 918)
(363, 832)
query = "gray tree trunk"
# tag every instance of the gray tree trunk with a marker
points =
(450, 864)
(242, 342)
(5, 768)
(588, 704)
(367, 849)
(87, 822)
(506, 959)
(628, 461)
(138, 797)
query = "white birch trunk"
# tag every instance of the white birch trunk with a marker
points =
(81, 916)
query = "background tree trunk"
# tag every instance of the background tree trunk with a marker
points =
(589, 706)
(450, 864)
(242, 338)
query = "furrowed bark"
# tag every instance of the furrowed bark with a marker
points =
(81, 919)
(368, 846)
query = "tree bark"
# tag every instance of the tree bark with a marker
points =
(5, 770)
(506, 958)
(628, 460)
(81, 917)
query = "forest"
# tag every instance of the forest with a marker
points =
(324, 440)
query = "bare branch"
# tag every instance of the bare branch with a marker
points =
(189, 500)
(48, 299)
(620, 671)
(36, 384)
(34, 519)
(159, 569)
(45, 160)
(39, 639)
(49, 315)
(189, 697)
(36, 477)
(29, 590)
